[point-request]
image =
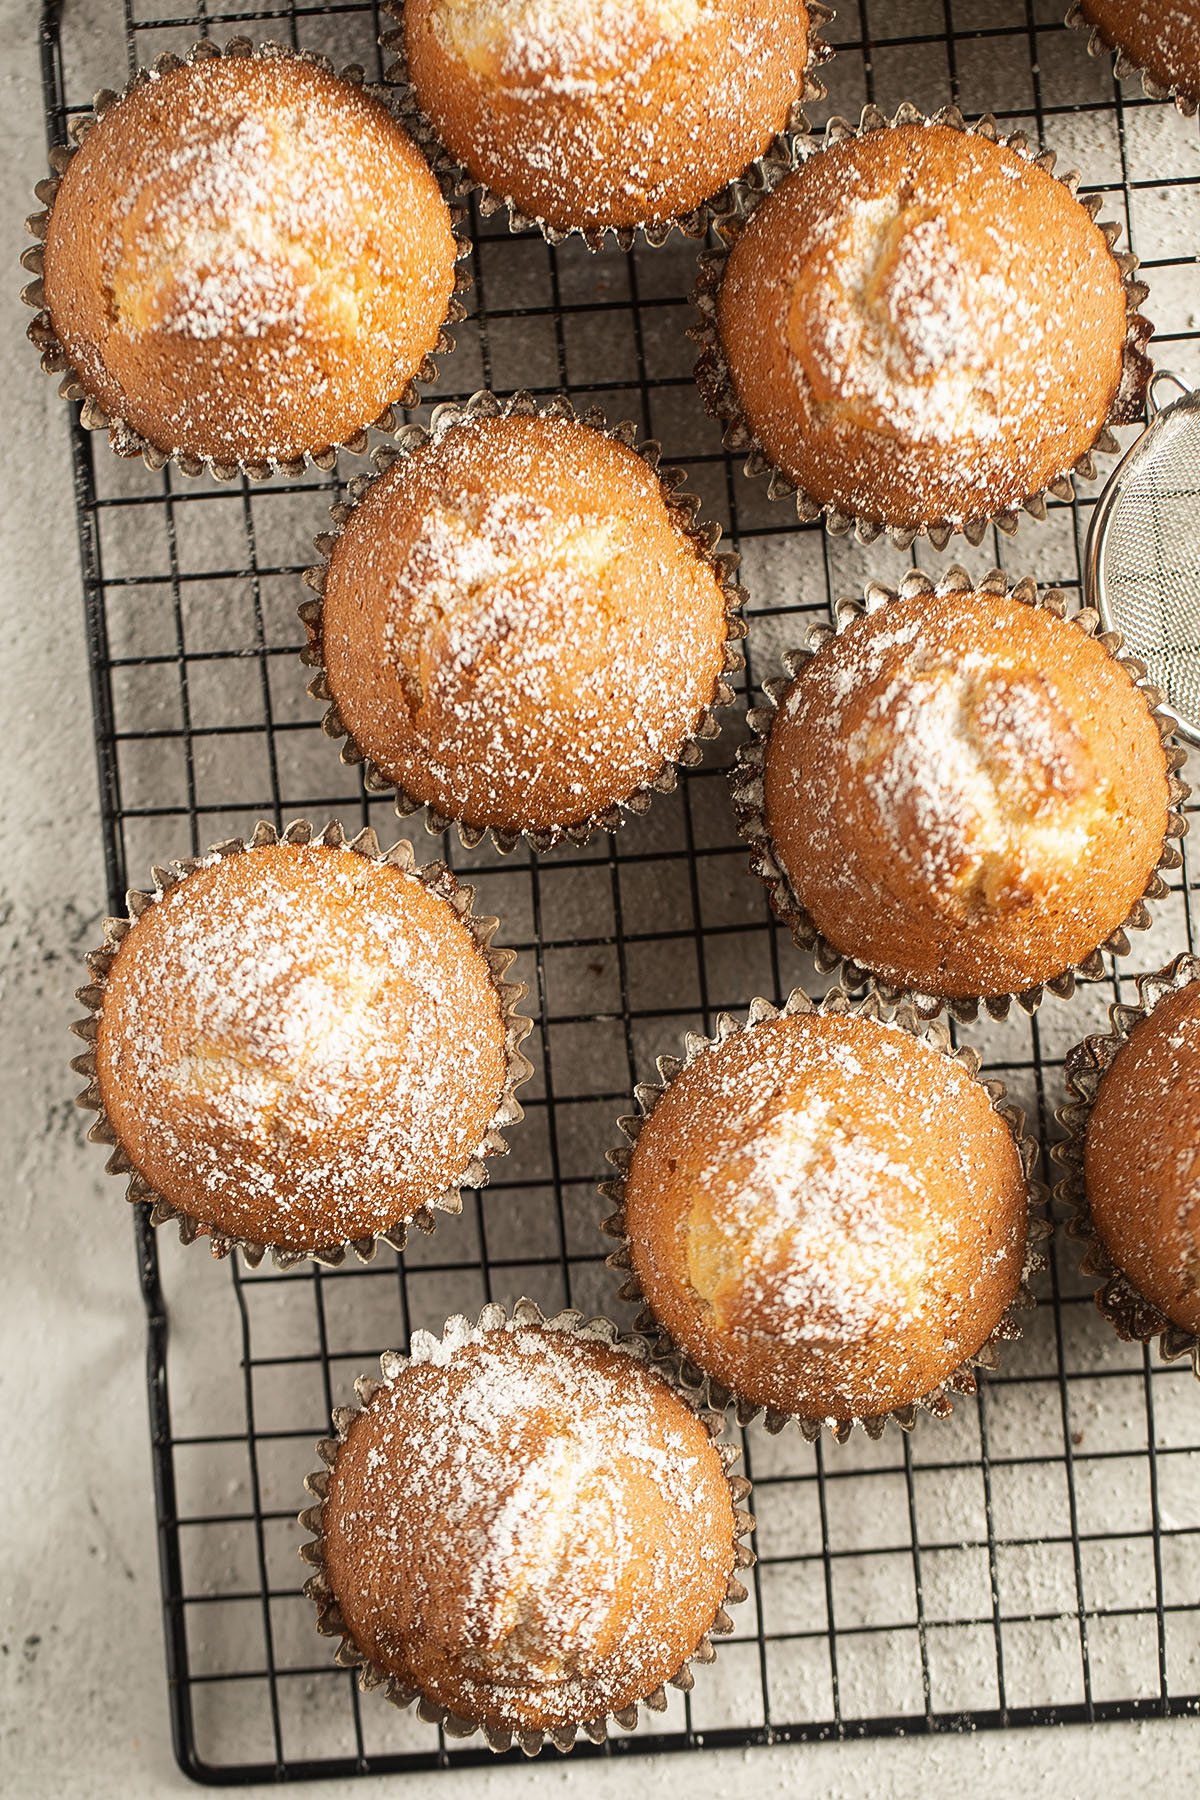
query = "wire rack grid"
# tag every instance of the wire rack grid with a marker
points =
(1034, 1560)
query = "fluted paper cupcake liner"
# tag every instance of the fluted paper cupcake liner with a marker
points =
(711, 1392)
(693, 224)
(330, 1622)
(683, 508)
(123, 438)
(1124, 65)
(746, 784)
(439, 880)
(1131, 1315)
(716, 385)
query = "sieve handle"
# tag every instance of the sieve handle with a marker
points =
(1153, 404)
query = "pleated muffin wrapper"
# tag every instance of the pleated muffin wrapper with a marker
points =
(439, 880)
(123, 438)
(693, 224)
(1131, 1315)
(1125, 67)
(683, 507)
(716, 1394)
(715, 381)
(425, 1347)
(746, 784)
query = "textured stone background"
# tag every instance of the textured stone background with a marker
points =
(82, 1691)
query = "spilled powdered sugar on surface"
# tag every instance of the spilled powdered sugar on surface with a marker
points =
(515, 1523)
(303, 1050)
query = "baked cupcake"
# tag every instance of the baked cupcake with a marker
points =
(300, 1045)
(921, 329)
(962, 792)
(1159, 43)
(826, 1214)
(1132, 1156)
(588, 116)
(526, 1528)
(521, 628)
(246, 262)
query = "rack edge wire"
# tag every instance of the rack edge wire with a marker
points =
(187, 1755)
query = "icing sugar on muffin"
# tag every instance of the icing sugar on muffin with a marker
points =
(1141, 1157)
(247, 260)
(1162, 37)
(826, 1214)
(300, 1046)
(922, 327)
(967, 793)
(528, 1527)
(590, 113)
(516, 628)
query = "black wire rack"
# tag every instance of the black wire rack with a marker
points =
(1036, 1559)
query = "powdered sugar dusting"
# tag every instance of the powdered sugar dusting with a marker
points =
(589, 113)
(515, 1524)
(516, 630)
(303, 1041)
(826, 1214)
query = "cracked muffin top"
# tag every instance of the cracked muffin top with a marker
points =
(517, 629)
(248, 259)
(967, 793)
(300, 1046)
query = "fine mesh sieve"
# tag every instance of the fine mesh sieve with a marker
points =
(1143, 552)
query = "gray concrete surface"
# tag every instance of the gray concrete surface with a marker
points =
(82, 1692)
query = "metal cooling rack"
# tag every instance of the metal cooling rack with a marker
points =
(1036, 1559)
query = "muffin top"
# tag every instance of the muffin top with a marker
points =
(590, 113)
(515, 628)
(299, 1046)
(531, 1529)
(968, 794)
(1142, 1157)
(248, 259)
(1164, 40)
(827, 1215)
(922, 326)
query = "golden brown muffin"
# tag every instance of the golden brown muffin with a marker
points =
(921, 326)
(1160, 36)
(827, 1215)
(1141, 1158)
(588, 113)
(515, 628)
(532, 1529)
(248, 259)
(968, 794)
(300, 1046)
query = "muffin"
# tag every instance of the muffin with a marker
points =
(961, 792)
(526, 1527)
(920, 327)
(825, 1213)
(588, 116)
(246, 261)
(299, 1045)
(1135, 1143)
(1162, 43)
(520, 629)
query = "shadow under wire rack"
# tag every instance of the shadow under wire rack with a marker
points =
(1036, 1559)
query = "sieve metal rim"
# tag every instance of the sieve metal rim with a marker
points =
(1186, 399)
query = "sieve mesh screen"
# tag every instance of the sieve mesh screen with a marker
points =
(1148, 556)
